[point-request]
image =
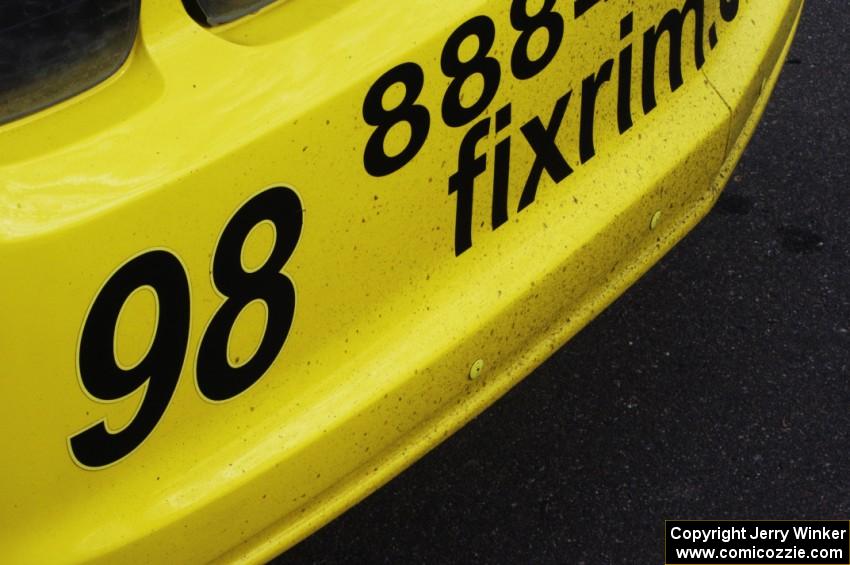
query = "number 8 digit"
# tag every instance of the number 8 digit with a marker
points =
(522, 66)
(455, 114)
(102, 377)
(375, 158)
(217, 379)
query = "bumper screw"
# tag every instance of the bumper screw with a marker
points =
(476, 369)
(656, 218)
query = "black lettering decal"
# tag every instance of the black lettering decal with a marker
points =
(590, 87)
(158, 371)
(547, 156)
(624, 87)
(583, 6)
(729, 9)
(501, 170)
(469, 166)
(673, 25)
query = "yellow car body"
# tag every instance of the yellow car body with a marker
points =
(265, 266)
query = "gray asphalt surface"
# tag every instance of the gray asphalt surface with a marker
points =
(717, 387)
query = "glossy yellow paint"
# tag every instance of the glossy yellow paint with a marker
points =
(389, 324)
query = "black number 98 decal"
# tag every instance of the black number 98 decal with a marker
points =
(158, 371)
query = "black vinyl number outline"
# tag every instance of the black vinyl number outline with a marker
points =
(104, 380)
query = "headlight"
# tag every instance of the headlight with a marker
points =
(51, 50)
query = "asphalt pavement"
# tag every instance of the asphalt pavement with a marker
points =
(717, 387)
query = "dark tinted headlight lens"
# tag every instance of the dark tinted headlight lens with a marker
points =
(215, 12)
(51, 50)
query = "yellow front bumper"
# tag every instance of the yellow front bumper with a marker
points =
(259, 271)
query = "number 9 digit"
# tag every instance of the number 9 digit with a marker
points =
(158, 371)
